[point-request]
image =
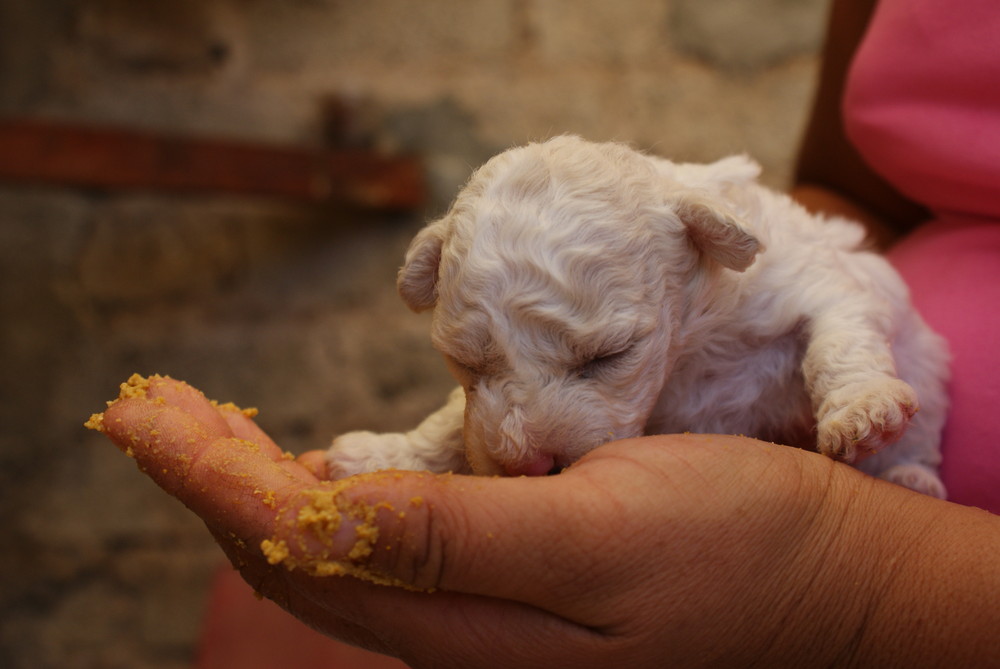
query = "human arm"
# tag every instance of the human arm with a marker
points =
(830, 176)
(681, 550)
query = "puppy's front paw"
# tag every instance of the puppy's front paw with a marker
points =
(363, 452)
(866, 416)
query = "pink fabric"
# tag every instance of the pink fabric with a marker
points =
(953, 270)
(922, 106)
(923, 102)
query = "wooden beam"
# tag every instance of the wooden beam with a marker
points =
(48, 152)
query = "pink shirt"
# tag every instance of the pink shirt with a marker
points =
(922, 106)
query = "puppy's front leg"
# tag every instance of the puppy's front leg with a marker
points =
(850, 372)
(435, 445)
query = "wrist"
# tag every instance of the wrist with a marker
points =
(833, 580)
(895, 578)
(939, 586)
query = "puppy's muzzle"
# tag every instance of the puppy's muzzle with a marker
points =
(520, 452)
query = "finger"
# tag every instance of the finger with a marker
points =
(220, 419)
(163, 390)
(315, 463)
(218, 475)
(251, 492)
(241, 422)
(216, 420)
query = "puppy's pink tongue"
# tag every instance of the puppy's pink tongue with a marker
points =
(539, 465)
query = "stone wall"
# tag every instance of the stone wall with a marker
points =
(283, 306)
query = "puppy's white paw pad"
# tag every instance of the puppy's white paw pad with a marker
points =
(865, 416)
(916, 477)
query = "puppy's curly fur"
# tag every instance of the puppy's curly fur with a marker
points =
(588, 292)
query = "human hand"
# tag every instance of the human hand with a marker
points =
(682, 550)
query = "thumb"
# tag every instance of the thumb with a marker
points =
(426, 531)
(529, 540)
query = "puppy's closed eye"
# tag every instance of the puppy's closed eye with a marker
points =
(468, 371)
(604, 362)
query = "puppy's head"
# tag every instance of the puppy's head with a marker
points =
(556, 280)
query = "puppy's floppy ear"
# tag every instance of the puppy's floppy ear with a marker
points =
(417, 279)
(717, 233)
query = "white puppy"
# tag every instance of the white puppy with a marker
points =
(587, 292)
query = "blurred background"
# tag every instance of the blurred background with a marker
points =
(222, 191)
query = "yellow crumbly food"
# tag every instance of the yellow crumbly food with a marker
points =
(267, 499)
(249, 412)
(314, 526)
(95, 422)
(137, 386)
(276, 552)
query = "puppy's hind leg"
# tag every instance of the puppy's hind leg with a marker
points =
(436, 445)
(916, 477)
(913, 461)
